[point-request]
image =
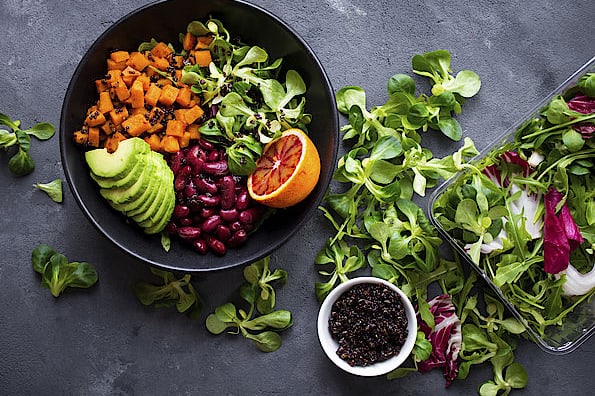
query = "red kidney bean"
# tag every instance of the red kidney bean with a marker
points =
(182, 178)
(196, 158)
(206, 186)
(206, 212)
(208, 200)
(229, 215)
(186, 221)
(189, 233)
(236, 226)
(237, 239)
(242, 200)
(210, 224)
(215, 245)
(181, 211)
(216, 168)
(206, 145)
(213, 156)
(176, 161)
(223, 233)
(200, 246)
(250, 216)
(190, 190)
(171, 228)
(228, 196)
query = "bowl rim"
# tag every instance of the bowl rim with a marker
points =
(330, 345)
(324, 180)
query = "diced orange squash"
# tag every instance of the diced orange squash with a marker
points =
(118, 115)
(137, 95)
(93, 138)
(119, 87)
(160, 63)
(161, 50)
(152, 95)
(179, 114)
(170, 144)
(193, 114)
(111, 143)
(106, 128)
(94, 117)
(175, 128)
(136, 125)
(105, 104)
(145, 80)
(129, 74)
(168, 96)
(138, 61)
(162, 82)
(155, 129)
(202, 57)
(184, 141)
(155, 115)
(101, 85)
(194, 131)
(111, 65)
(189, 41)
(183, 98)
(119, 56)
(203, 42)
(80, 137)
(154, 141)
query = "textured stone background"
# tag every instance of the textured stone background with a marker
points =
(102, 341)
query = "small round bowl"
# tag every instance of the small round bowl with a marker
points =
(164, 21)
(330, 345)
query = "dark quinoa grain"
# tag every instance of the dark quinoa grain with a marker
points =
(369, 323)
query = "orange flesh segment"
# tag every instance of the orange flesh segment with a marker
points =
(270, 175)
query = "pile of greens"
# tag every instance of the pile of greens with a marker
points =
(250, 103)
(378, 226)
(498, 211)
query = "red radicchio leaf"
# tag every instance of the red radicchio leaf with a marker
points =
(510, 157)
(582, 104)
(561, 235)
(585, 105)
(446, 338)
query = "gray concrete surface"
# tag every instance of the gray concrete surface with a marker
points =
(103, 342)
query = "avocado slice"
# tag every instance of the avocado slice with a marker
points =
(160, 223)
(141, 203)
(122, 195)
(167, 183)
(118, 164)
(155, 162)
(164, 211)
(126, 181)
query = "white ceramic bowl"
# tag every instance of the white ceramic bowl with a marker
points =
(330, 345)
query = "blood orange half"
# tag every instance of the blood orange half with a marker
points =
(287, 171)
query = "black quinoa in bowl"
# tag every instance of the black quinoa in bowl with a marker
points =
(370, 324)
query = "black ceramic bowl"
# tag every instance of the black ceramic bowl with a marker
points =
(164, 21)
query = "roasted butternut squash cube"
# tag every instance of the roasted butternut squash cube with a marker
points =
(152, 95)
(118, 115)
(161, 50)
(192, 114)
(170, 144)
(168, 96)
(105, 104)
(183, 98)
(175, 128)
(136, 125)
(93, 137)
(137, 95)
(94, 117)
(138, 61)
